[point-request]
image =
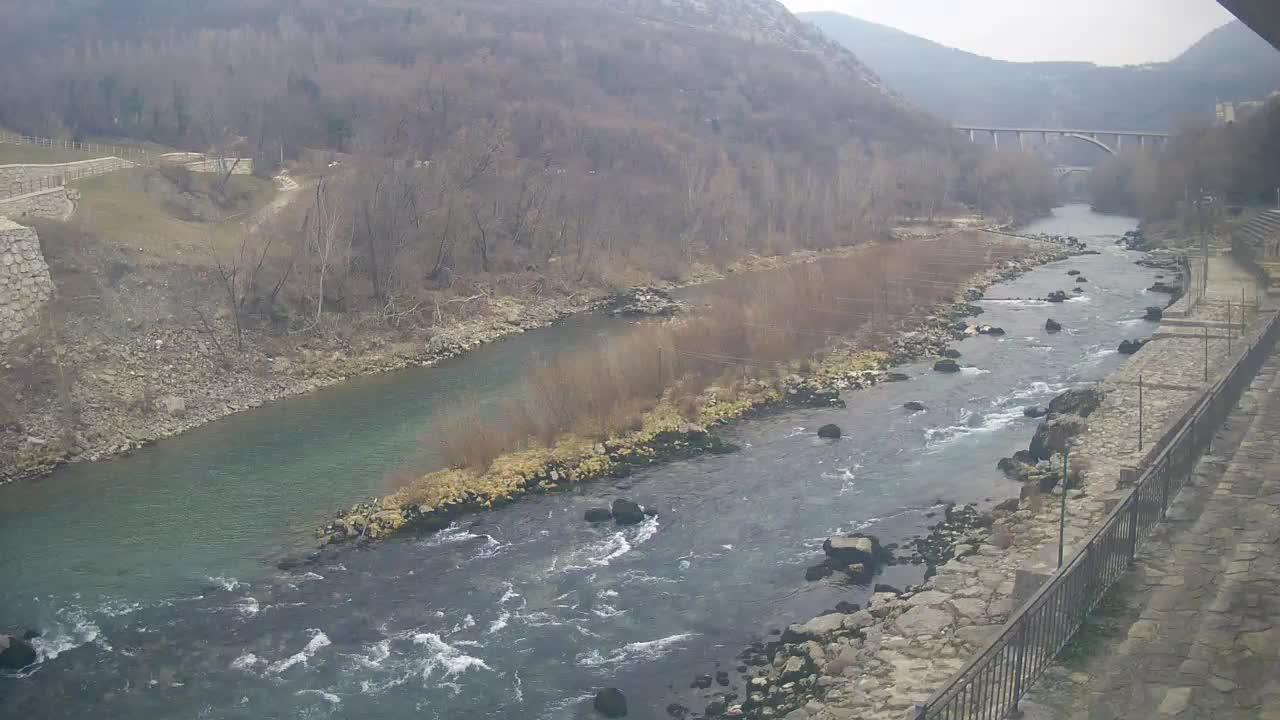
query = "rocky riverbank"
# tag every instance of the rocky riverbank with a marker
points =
(165, 379)
(665, 434)
(877, 662)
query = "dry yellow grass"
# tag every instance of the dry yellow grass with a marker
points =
(759, 328)
(120, 210)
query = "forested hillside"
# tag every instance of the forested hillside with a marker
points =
(500, 135)
(1231, 63)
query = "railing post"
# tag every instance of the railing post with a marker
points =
(1019, 667)
(1133, 523)
(1165, 478)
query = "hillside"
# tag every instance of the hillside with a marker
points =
(1230, 63)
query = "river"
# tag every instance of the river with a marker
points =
(154, 576)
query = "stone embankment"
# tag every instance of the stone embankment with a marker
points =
(433, 500)
(55, 203)
(25, 285)
(878, 662)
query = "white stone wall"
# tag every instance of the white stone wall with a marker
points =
(25, 285)
(243, 167)
(54, 204)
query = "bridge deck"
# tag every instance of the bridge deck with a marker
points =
(1062, 131)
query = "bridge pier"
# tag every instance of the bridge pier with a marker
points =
(971, 136)
(995, 139)
(1021, 145)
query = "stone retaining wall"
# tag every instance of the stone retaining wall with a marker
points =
(24, 179)
(25, 284)
(52, 204)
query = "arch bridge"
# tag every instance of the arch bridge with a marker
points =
(1089, 136)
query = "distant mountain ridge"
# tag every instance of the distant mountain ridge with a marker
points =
(1230, 63)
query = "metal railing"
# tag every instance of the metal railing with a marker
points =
(59, 178)
(131, 153)
(991, 684)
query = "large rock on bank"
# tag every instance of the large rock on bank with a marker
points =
(1052, 436)
(1081, 401)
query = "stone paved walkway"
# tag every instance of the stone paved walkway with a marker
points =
(1203, 633)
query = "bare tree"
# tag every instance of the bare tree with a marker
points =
(329, 231)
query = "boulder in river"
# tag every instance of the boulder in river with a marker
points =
(595, 515)
(1081, 279)
(611, 703)
(15, 653)
(946, 365)
(1164, 287)
(1052, 326)
(1154, 314)
(850, 549)
(831, 432)
(1073, 272)
(701, 682)
(1129, 347)
(990, 330)
(895, 377)
(1035, 411)
(951, 353)
(1057, 296)
(626, 512)
(914, 406)
(1077, 290)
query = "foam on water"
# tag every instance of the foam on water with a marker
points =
(248, 606)
(937, 438)
(450, 535)
(226, 583)
(318, 641)
(632, 652)
(500, 623)
(603, 553)
(556, 711)
(71, 630)
(246, 662)
(326, 696)
(446, 657)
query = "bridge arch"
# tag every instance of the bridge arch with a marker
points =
(1090, 139)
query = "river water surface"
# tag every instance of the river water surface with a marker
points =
(154, 581)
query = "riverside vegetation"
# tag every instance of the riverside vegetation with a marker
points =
(657, 392)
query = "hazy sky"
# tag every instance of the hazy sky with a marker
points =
(1107, 32)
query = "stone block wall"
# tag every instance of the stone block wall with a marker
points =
(244, 167)
(23, 179)
(25, 284)
(53, 204)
